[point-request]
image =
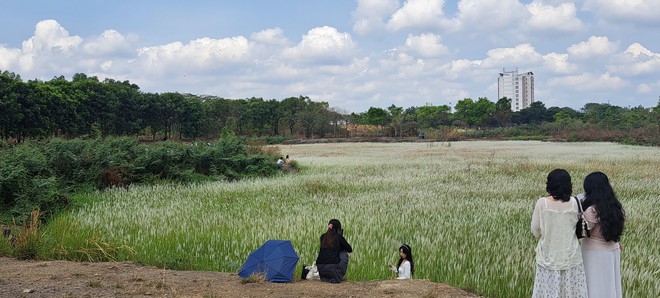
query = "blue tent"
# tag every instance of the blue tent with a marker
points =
(276, 259)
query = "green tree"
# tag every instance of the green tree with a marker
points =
(256, 119)
(377, 116)
(192, 118)
(314, 118)
(273, 116)
(396, 114)
(410, 124)
(432, 116)
(11, 90)
(123, 107)
(474, 113)
(502, 114)
(65, 108)
(535, 113)
(291, 107)
(337, 117)
(656, 114)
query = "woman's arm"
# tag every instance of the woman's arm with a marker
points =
(393, 268)
(536, 220)
(591, 216)
(344, 244)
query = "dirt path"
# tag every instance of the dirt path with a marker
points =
(74, 279)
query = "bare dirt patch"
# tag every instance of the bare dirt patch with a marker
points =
(121, 279)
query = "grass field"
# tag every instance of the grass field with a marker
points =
(464, 208)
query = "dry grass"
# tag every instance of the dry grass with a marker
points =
(256, 277)
(28, 240)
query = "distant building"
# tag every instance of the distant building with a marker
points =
(519, 88)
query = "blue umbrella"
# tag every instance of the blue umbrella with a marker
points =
(276, 259)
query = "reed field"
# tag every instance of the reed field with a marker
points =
(464, 208)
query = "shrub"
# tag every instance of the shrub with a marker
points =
(42, 175)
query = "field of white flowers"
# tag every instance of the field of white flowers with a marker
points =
(463, 207)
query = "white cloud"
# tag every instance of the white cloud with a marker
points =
(48, 49)
(395, 58)
(272, 36)
(50, 35)
(426, 45)
(521, 55)
(199, 54)
(323, 45)
(106, 65)
(370, 15)
(419, 14)
(489, 14)
(637, 60)
(8, 58)
(588, 82)
(460, 68)
(626, 10)
(648, 88)
(595, 46)
(547, 17)
(558, 63)
(637, 50)
(110, 42)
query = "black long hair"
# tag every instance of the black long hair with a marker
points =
(330, 236)
(408, 251)
(611, 216)
(559, 185)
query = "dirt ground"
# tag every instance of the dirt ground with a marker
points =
(75, 279)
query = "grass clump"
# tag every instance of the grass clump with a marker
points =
(28, 241)
(254, 278)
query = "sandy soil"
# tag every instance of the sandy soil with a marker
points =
(120, 279)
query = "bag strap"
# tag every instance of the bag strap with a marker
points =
(587, 228)
(579, 205)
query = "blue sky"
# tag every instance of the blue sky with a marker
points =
(352, 54)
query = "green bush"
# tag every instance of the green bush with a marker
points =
(42, 175)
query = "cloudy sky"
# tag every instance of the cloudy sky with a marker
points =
(352, 54)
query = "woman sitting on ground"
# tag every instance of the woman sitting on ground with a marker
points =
(332, 261)
(406, 266)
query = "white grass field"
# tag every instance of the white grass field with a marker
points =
(463, 207)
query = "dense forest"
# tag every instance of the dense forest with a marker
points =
(87, 107)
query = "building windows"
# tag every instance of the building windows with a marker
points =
(517, 87)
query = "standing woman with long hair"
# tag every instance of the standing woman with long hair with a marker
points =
(601, 251)
(332, 261)
(559, 268)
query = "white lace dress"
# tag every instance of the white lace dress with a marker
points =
(403, 271)
(559, 268)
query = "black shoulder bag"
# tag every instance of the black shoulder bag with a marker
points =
(582, 228)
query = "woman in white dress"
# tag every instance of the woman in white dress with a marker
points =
(406, 266)
(559, 268)
(601, 251)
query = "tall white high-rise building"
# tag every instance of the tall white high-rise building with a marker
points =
(519, 88)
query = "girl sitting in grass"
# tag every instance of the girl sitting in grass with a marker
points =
(406, 266)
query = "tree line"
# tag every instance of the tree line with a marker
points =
(87, 106)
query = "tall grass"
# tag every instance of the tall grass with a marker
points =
(465, 208)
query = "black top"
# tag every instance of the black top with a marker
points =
(331, 255)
